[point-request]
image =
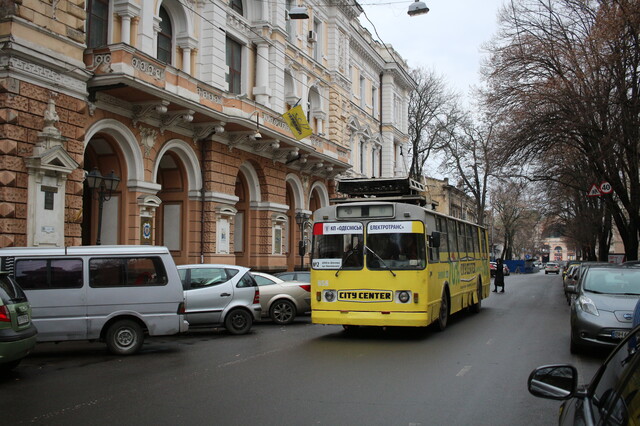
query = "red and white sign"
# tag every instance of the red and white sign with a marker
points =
(594, 191)
(605, 188)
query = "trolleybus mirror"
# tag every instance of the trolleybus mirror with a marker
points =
(434, 239)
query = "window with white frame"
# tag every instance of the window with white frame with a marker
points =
(363, 88)
(317, 46)
(165, 37)
(234, 64)
(97, 23)
(374, 101)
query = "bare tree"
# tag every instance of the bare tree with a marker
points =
(565, 75)
(468, 157)
(433, 110)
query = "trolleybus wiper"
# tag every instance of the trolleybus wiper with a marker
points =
(380, 259)
(349, 253)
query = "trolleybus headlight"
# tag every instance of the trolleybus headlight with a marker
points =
(404, 296)
(329, 295)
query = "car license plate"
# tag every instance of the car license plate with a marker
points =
(23, 319)
(619, 334)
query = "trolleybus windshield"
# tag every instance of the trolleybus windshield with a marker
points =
(399, 245)
(338, 245)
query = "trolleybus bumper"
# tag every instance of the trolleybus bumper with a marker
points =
(398, 319)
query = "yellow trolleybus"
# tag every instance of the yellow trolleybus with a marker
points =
(395, 264)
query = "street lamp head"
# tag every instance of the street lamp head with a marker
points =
(111, 181)
(94, 178)
(417, 8)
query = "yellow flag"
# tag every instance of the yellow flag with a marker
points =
(297, 122)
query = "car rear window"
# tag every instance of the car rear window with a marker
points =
(10, 292)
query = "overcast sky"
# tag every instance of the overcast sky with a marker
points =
(448, 39)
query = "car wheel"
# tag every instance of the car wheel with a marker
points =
(238, 321)
(124, 337)
(282, 312)
(545, 272)
(443, 315)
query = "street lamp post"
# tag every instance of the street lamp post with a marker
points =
(104, 187)
(301, 220)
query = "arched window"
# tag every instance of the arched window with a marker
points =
(97, 24)
(165, 37)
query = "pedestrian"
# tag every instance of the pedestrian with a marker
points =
(498, 280)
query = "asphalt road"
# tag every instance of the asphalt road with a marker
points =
(474, 373)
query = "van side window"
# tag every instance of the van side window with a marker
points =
(127, 272)
(42, 274)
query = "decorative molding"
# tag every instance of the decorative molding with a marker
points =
(209, 96)
(148, 139)
(46, 76)
(143, 110)
(168, 120)
(147, 68)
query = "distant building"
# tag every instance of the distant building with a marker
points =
(448, 199)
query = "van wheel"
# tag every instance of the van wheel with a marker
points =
(238, 321)
(124, 337)
(282, 312)
(443, 315)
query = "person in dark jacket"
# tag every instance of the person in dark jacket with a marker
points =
(498, 281)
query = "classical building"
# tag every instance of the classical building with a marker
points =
(450, 200)
(183, 102)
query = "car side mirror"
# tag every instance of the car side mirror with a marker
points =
(553, 381)
(434, 239)
(572, 289)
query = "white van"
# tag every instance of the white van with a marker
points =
(116, 294)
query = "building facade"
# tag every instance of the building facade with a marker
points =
(182, 101)
(450, 200)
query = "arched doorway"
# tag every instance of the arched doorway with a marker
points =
(171, 217)
(241, 224)
(103, 153)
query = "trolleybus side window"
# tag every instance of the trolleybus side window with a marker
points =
(453, 242)
(396, 246)
(462, 242)
(471, 241)
(443, 250)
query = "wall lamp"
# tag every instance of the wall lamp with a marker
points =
(417, 8)
(299, 12)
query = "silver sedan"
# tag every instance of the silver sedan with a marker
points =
(602, 312)
(282, 300)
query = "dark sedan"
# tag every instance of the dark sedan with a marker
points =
(612, 397)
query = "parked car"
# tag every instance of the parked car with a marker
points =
(17, 332)
(552, 267)
(302, 276)
(282, 300)
(612, 397)
(602, 313)
(572, 280)
(565, 269)
(115, 294)
(220, 295)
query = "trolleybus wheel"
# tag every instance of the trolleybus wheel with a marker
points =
(475, 308)
(443, 316)
(350, 328)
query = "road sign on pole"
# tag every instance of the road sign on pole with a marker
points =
(594, 191)
(605, 188)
